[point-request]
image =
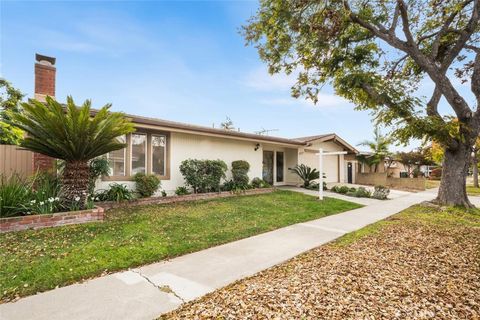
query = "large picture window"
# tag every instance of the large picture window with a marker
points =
(145, 153)
(116, 160)
(159, 156)
(139, 153)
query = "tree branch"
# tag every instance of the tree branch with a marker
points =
(445, 28)
(432, 105)
(475, 85)
(405, 22)
(394, 20)
(465, 35)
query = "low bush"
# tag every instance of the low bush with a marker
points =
(116, 192)
(240, 170)
(343, 189)
(98, 167)
(362, 193)
(146, 185)
(231, 185)
(203, 175)
(15, 193)
(181, 191)
(381, 192)
(45, 197)
(260, 183)
(314, 186)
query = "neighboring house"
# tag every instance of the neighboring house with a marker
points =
(159, 146)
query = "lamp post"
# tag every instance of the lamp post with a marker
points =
(320, 155)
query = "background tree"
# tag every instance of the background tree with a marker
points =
(227, 124)
(9, 102)
(376, 53)
(412, 160)
(379, 147)
(71, 134)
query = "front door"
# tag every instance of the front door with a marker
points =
(267, 172)
(350, 172)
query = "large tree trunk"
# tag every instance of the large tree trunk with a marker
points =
(75, 183)
(475, 168)
(454, 175)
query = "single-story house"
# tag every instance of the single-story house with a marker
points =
(159, 146)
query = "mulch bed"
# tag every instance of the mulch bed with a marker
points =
(408, 270)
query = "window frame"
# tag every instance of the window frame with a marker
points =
(151, 136)
(148, 156)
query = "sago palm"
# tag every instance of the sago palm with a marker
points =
(306, 173)
(72, 134)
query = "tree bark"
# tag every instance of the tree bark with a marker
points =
(75, 183)
(475, 168)
(454, 176)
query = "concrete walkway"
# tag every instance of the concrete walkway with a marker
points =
(149, 291)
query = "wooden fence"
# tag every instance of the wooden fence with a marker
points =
(14, 159)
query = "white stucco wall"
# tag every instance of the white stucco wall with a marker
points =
(184, 146)
(330, 163)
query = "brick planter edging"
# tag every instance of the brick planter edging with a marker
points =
(184, 198)
(39, 221)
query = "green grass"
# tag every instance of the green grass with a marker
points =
(40, 260)
(448, 217)
(430, 184)
(471, 190)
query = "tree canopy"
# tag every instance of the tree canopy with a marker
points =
(376, 54)
(9, 103)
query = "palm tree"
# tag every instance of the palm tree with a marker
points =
(72, 134)
(379, 147)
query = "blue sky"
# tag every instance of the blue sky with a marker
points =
(181, 61)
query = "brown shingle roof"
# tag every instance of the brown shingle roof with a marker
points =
(203, 129)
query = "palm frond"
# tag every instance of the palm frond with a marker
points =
(70, 133)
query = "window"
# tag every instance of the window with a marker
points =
(279, 166)
(159, 156)
(116, 160)
(139, 153)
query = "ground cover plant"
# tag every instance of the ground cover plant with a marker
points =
(419, 264)
(39, 260)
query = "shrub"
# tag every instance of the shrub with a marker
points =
(362, 193)
(381, 192)
(116, 192)
(314, 186)
(240, 170)
(45, 197)
(203, 175)
(146, 185)
(343, 189)
(15, 192)
(98, 167)
(260, 183)
(180, 191)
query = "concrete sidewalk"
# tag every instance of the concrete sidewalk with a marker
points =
(149, 291)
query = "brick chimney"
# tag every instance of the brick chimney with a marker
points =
(44, 86)
(44, 77)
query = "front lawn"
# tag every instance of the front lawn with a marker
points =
(422, 263)
(40, 260)
(471, 190)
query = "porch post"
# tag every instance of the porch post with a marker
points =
(320, 168)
